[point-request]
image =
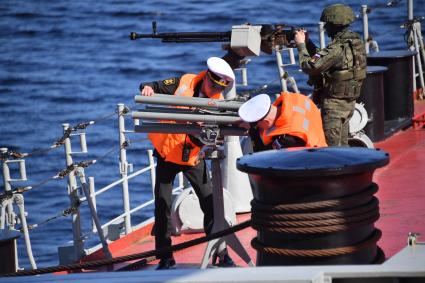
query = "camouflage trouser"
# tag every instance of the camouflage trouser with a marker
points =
(336, 114)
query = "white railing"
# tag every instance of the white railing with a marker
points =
(8, 217)
(124, 168)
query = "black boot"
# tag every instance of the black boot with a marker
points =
(166, 263)
(223, 260)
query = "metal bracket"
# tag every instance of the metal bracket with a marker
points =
(83, 143)
(210, 134)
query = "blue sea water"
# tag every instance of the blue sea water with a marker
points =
(72, 61)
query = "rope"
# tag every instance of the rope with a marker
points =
(148, 254)
(370, 242)
(138, 264)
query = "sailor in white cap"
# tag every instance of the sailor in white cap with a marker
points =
(292, 120)
(179, 153)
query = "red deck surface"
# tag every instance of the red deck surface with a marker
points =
(402, 187)
(401, 195)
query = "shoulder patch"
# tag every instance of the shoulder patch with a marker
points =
(315, 57)
(168, 82)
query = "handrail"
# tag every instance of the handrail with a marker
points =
(119, 181)
(77, 199)
(143, 205)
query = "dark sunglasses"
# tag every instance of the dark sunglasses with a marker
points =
(217, 80)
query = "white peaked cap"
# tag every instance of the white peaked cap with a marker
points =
(255, 109)
(221, 68)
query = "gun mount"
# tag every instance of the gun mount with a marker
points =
(245, 40)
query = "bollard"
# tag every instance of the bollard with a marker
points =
(315, 206)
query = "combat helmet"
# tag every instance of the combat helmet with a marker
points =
(338, 14)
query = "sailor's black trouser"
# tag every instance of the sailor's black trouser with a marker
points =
(199, 178)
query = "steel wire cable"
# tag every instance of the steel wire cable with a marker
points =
(63, 173)
(66, 212)
(61, 141)
(143, 255)
(264, 216)
(351, 200)
(317, 230)
(346, 220)
(370, 242)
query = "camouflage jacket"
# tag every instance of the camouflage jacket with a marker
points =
(338, 70)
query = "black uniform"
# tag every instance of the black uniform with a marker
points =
(166, 172)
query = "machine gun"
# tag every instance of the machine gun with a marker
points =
(246, 39)
(207, 119)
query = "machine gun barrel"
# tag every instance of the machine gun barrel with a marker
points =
(207, 103)
(192, 129)
(186, 36)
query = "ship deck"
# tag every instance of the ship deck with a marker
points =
(401, 195)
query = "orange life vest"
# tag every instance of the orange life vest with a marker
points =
(298, 117)
(170, 146)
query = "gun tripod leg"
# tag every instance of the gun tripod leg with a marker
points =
(220, 223)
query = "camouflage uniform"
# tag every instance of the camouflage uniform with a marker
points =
(337, 73)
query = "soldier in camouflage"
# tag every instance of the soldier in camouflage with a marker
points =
(336, 72)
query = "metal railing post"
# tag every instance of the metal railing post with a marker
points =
(19, 200)
(105, 248)
(410, 10)
(10, 214)
(124, 169)
(74, 199)
(365, 28)
(93, 197)
(416, 37)
(152, 169)
(281, 69)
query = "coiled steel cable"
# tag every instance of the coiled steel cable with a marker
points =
(319, 229)
(346, 220)
(258, 216)
(350, 201)
(371, 241)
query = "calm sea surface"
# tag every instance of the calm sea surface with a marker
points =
(72, 61)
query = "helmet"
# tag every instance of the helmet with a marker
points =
(338, 14)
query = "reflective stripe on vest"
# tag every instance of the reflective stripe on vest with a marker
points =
(298, 117)
(170, 146)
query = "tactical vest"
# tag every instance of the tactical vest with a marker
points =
(170, 146)
(298, 117)
(344, 80)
